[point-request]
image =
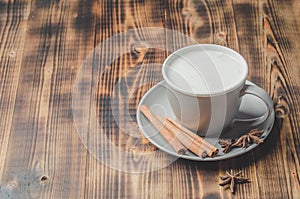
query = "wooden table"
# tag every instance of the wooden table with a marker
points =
(45, 153)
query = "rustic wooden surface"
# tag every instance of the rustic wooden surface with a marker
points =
(44, 43)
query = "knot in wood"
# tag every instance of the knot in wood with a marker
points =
(12, 54)
(221, 36)
(281, 107)
(44, 179)
(187, 12)
(139, 48)
(12, 184)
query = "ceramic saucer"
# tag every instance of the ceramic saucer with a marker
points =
(157, 100)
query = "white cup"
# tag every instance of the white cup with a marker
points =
(205, 84)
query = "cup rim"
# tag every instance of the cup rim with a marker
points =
(207, 94)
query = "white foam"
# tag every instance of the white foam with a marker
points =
(204, 71)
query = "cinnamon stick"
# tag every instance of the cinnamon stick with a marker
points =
(199, 141)
(186, 141)
(169, 136)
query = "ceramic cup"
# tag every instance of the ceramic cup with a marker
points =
(206, 83)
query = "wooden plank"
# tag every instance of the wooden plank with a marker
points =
(281, 59)
(121, 16)
(13, 24)
(45, 157)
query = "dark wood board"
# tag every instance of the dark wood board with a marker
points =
(43, 45)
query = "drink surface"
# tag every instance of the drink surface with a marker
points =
(204, 71)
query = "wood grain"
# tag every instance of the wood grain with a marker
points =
(42, 47)
(12, 30)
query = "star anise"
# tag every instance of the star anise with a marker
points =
(232, 179)
(226, 144)
(252, 137)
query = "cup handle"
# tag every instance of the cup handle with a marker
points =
(264, 96)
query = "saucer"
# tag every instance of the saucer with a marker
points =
(157, 100)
